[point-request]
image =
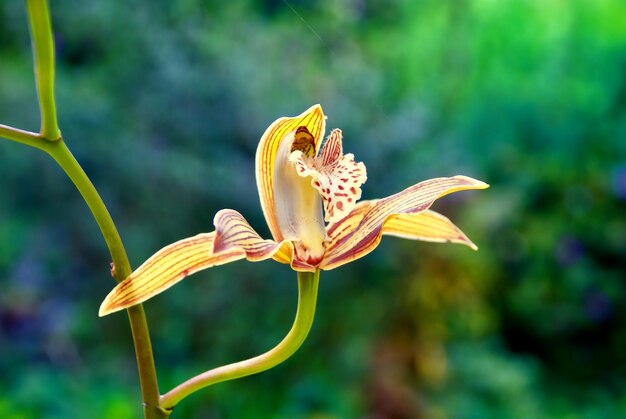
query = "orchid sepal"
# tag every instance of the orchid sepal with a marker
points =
(164, 269)
(361, 231)
(429, 226)
(233, 239)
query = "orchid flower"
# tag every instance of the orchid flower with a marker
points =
(309, 191)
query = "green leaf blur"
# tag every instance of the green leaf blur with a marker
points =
(163, 103)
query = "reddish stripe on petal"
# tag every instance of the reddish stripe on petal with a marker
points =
(165, 268)
(344, 227)
(426, 226)
(233, 232)
(333, 148)
(362, 229)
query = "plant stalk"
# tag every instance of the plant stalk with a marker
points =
(20, 136)
(307, 298)
(139, 326)
(43, 52)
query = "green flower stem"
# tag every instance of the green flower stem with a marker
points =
(43, 52)
(21, 136)
(62, 155)
(141, 337)
(136, 315)
(307, 298)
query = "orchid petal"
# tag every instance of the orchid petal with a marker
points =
(165, 268)
(233, 240)
(427, 226)
(362, 229)
(337, 177)
(314, 120)
(337, 231)
(234, 232)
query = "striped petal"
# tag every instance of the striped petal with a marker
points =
(314, 121)
(233, 239)
(233, 232)
(427, 226)
(360, 232)
(337, 232)
(165, 268)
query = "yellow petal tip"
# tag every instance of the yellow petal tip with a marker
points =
(315, 109)
(476, 184)
(105, 310)
(109, 306)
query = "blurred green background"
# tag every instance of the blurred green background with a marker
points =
(163, 103)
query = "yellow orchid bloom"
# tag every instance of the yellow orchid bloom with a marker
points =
(309, 194)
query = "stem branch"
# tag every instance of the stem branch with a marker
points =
(307, 297)
(43, 52)
(20, 136)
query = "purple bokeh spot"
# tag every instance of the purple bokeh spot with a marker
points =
(619, 181)
(569, 250)
(598, 306)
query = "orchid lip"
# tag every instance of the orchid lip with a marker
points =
(337, 177)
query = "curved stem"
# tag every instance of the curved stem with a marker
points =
(141, 337)
(307, 297)
(62, 155)
(43, 52)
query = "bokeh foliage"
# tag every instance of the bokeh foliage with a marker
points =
(163, 103)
